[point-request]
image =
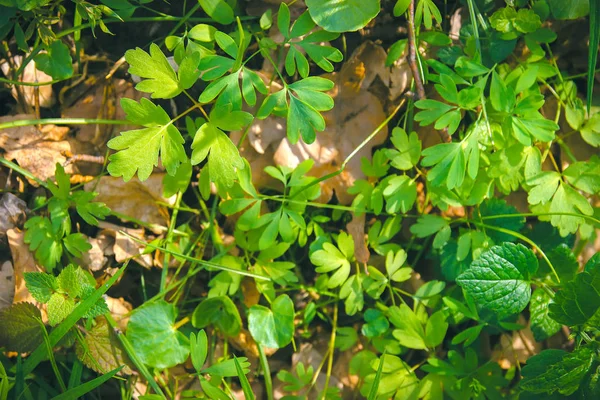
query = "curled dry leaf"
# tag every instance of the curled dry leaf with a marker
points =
(119, 309)
(30, 74)
(23, 261)
(356, 228)
(135, 199)
(7, 285)
(36, 150)
(12, 213)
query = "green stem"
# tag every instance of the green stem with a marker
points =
(331, 350)
(168, 239)
(351, 155)
(23, 172)
(523, 238)
(62, 121)
(133, 355)
(264, 363)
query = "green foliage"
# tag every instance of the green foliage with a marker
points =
(443, 260)
(47, 236)
(274, 327)
(63, 293)
(500, 279)
(342, 15)
(154, 338)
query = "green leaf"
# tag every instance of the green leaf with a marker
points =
(44, 240)
(342, 15)
(541, 324)
(138, 150)
(435, 329)
(400, 194)
(59, 307)
(21, 327)
(218, 311)
(585, 175)
(153, 336)
(409, 332)
(351, 291)
(400, 7)
(590, 132)
(407, 149)
(330, 258)
(578, 301)
(273, 328)
(76, 244)
(89, 211)
(492, 207)
(56, 62)
(218, 10)
(376, 323)
(179, 182)
(557, 371)
(500, 279)
(202, 33)
(161, 80)
(395, 52)
(40, 285)
(72, 281)
(569, 10)
(198, 349)
(223, 156)
(568, 200)
(564, 261)
(227, 368)
(427, 225)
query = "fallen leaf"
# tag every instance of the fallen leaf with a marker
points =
(103, 351)
(30, 74)
(134, 199)
(101, 100)
(36, 150)
(12, 213)
(124, 247)
(119, 309)
(517, 347)
(23, 261)
(356, 229)
(7, 285)
(97, 257)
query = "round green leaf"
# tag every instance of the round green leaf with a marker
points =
(273, 327)
(342, 15)
(219, 311)
(154, 338)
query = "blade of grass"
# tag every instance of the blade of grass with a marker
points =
(133, 356)
(75, 378)
(264, 363)
(593, 50)
(196, 260)
(246, 388)
(59, 378)
(77, 392)
(4, 383)
(61, 330)
(375, 387)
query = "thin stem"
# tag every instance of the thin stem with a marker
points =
(23, 172)
(62, 121)
(351, 155)
(169, 237)
(264, 363)
(331, 349)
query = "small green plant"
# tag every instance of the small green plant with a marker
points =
(475, 212)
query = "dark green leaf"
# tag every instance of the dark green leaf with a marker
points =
(342, 15)
(542, 325)
(274, 327)
(500, 279)
(56, 62)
